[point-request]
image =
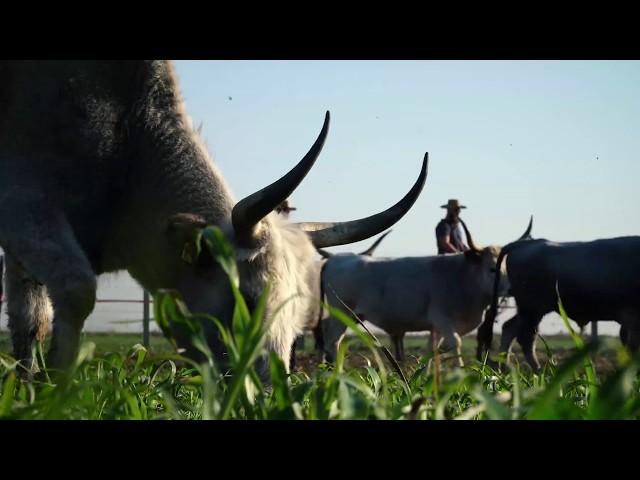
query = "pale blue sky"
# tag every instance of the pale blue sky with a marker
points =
(559, 139)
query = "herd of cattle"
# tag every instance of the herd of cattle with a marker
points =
(451, 293)
(101, 170)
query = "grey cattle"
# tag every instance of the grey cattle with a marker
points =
(315, 318)
(448, 293)
(101, 170)
(596, 280)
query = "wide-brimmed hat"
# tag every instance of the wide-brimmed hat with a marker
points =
(452, 203)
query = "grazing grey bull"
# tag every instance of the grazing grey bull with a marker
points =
(448, 293)
(101, 170)
(596, 280)
(316, 318)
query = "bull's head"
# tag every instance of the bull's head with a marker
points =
(485, 331)
(269, 250)
(485, 262)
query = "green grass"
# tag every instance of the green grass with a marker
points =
(107, 342)
(116, 378)
(122, 342)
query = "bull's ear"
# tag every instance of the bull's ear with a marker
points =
(183, 233)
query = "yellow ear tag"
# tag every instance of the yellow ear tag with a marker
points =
(191, 250)
(187, 254)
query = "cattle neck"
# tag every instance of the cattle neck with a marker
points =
(170, 171)
(176, 170)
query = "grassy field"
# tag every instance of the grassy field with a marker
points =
(562, 347)
(308, 359)
(114, 377)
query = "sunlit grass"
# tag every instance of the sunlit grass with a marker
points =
(157, 383)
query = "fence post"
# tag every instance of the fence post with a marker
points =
(594, 331)
(145, 319)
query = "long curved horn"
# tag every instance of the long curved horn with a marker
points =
(324, 253)
(250, 210)
(369, 251)
(327, 234)
(472, 245)
(527, 234)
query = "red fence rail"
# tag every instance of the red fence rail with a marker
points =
(146, 317)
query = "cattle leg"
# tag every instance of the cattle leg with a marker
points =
(333, 331)
(445, 343)
(433, 339)
(452, 341)
(526, 336)
(632, 340)
(624, 335)
(44, 245)
(398, 345)
(319, 339)
(298, 343)
(484, 337)
(629, 329)
(292, 357)
(509, 334)
(450, 338)
(29, 311)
